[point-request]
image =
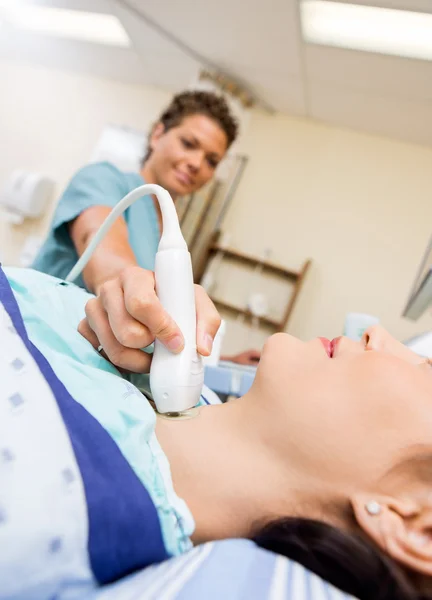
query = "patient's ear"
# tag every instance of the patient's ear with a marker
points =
(157, 132)
(402, 528)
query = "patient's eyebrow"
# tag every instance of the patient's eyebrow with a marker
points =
(417, 459)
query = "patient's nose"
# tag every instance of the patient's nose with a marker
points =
(375, 338)
(378, 339)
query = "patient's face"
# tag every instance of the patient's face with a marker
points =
(351, 414)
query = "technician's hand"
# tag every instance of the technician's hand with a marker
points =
(127, 316)
(248, 357)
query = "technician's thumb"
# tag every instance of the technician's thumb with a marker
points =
(171, 337)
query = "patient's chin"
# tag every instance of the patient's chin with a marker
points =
(275, 356)
(278, 349)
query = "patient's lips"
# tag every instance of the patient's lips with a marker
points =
(330, 346)
(334, 344)
(327, 345)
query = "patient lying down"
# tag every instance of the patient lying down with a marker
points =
(327, 459)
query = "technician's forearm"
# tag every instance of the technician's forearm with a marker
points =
(108, 260)
(113, 253)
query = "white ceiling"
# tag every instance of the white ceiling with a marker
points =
(260, 44)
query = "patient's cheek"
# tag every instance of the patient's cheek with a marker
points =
(410, 356)
(381, 341)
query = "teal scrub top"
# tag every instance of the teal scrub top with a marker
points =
(99, 184)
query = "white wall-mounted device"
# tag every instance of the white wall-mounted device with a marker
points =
(25, 195)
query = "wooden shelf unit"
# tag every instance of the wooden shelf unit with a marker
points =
(294, 277)
(249, 316)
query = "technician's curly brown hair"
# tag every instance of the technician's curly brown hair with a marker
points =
(190, 103)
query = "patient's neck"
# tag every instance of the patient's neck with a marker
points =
(230, 468)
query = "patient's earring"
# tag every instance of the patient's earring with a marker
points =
(373, 508)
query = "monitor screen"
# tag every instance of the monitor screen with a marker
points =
(421, 292)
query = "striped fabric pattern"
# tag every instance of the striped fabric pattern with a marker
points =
(229, 569)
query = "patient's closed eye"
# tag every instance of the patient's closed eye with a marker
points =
(424, 364)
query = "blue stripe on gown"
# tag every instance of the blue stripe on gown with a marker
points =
(124, 529)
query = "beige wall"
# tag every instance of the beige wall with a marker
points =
(50, 122)
(359, 206)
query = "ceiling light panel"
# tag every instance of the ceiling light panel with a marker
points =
(98, 28)
(367, 28)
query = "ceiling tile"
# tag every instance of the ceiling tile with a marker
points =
(401, 119)
(284, 92)
(373, 73)
(260, 44)
(102, 61)
(250, 34)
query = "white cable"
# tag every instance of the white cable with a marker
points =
(171, 237)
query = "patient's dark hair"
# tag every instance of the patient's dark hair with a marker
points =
(191, 103)
(345, 560)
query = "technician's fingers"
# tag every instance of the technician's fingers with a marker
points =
(127, 330)
(208, 321)
(87, 332)
(122, 357)
(248, 357)
(143, 305)
(252, 356)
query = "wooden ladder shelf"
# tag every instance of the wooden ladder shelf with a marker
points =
(296, 278)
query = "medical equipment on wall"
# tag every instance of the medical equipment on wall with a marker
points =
(420, 298)
(176, 380)
(122, 146)
(25, 195)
